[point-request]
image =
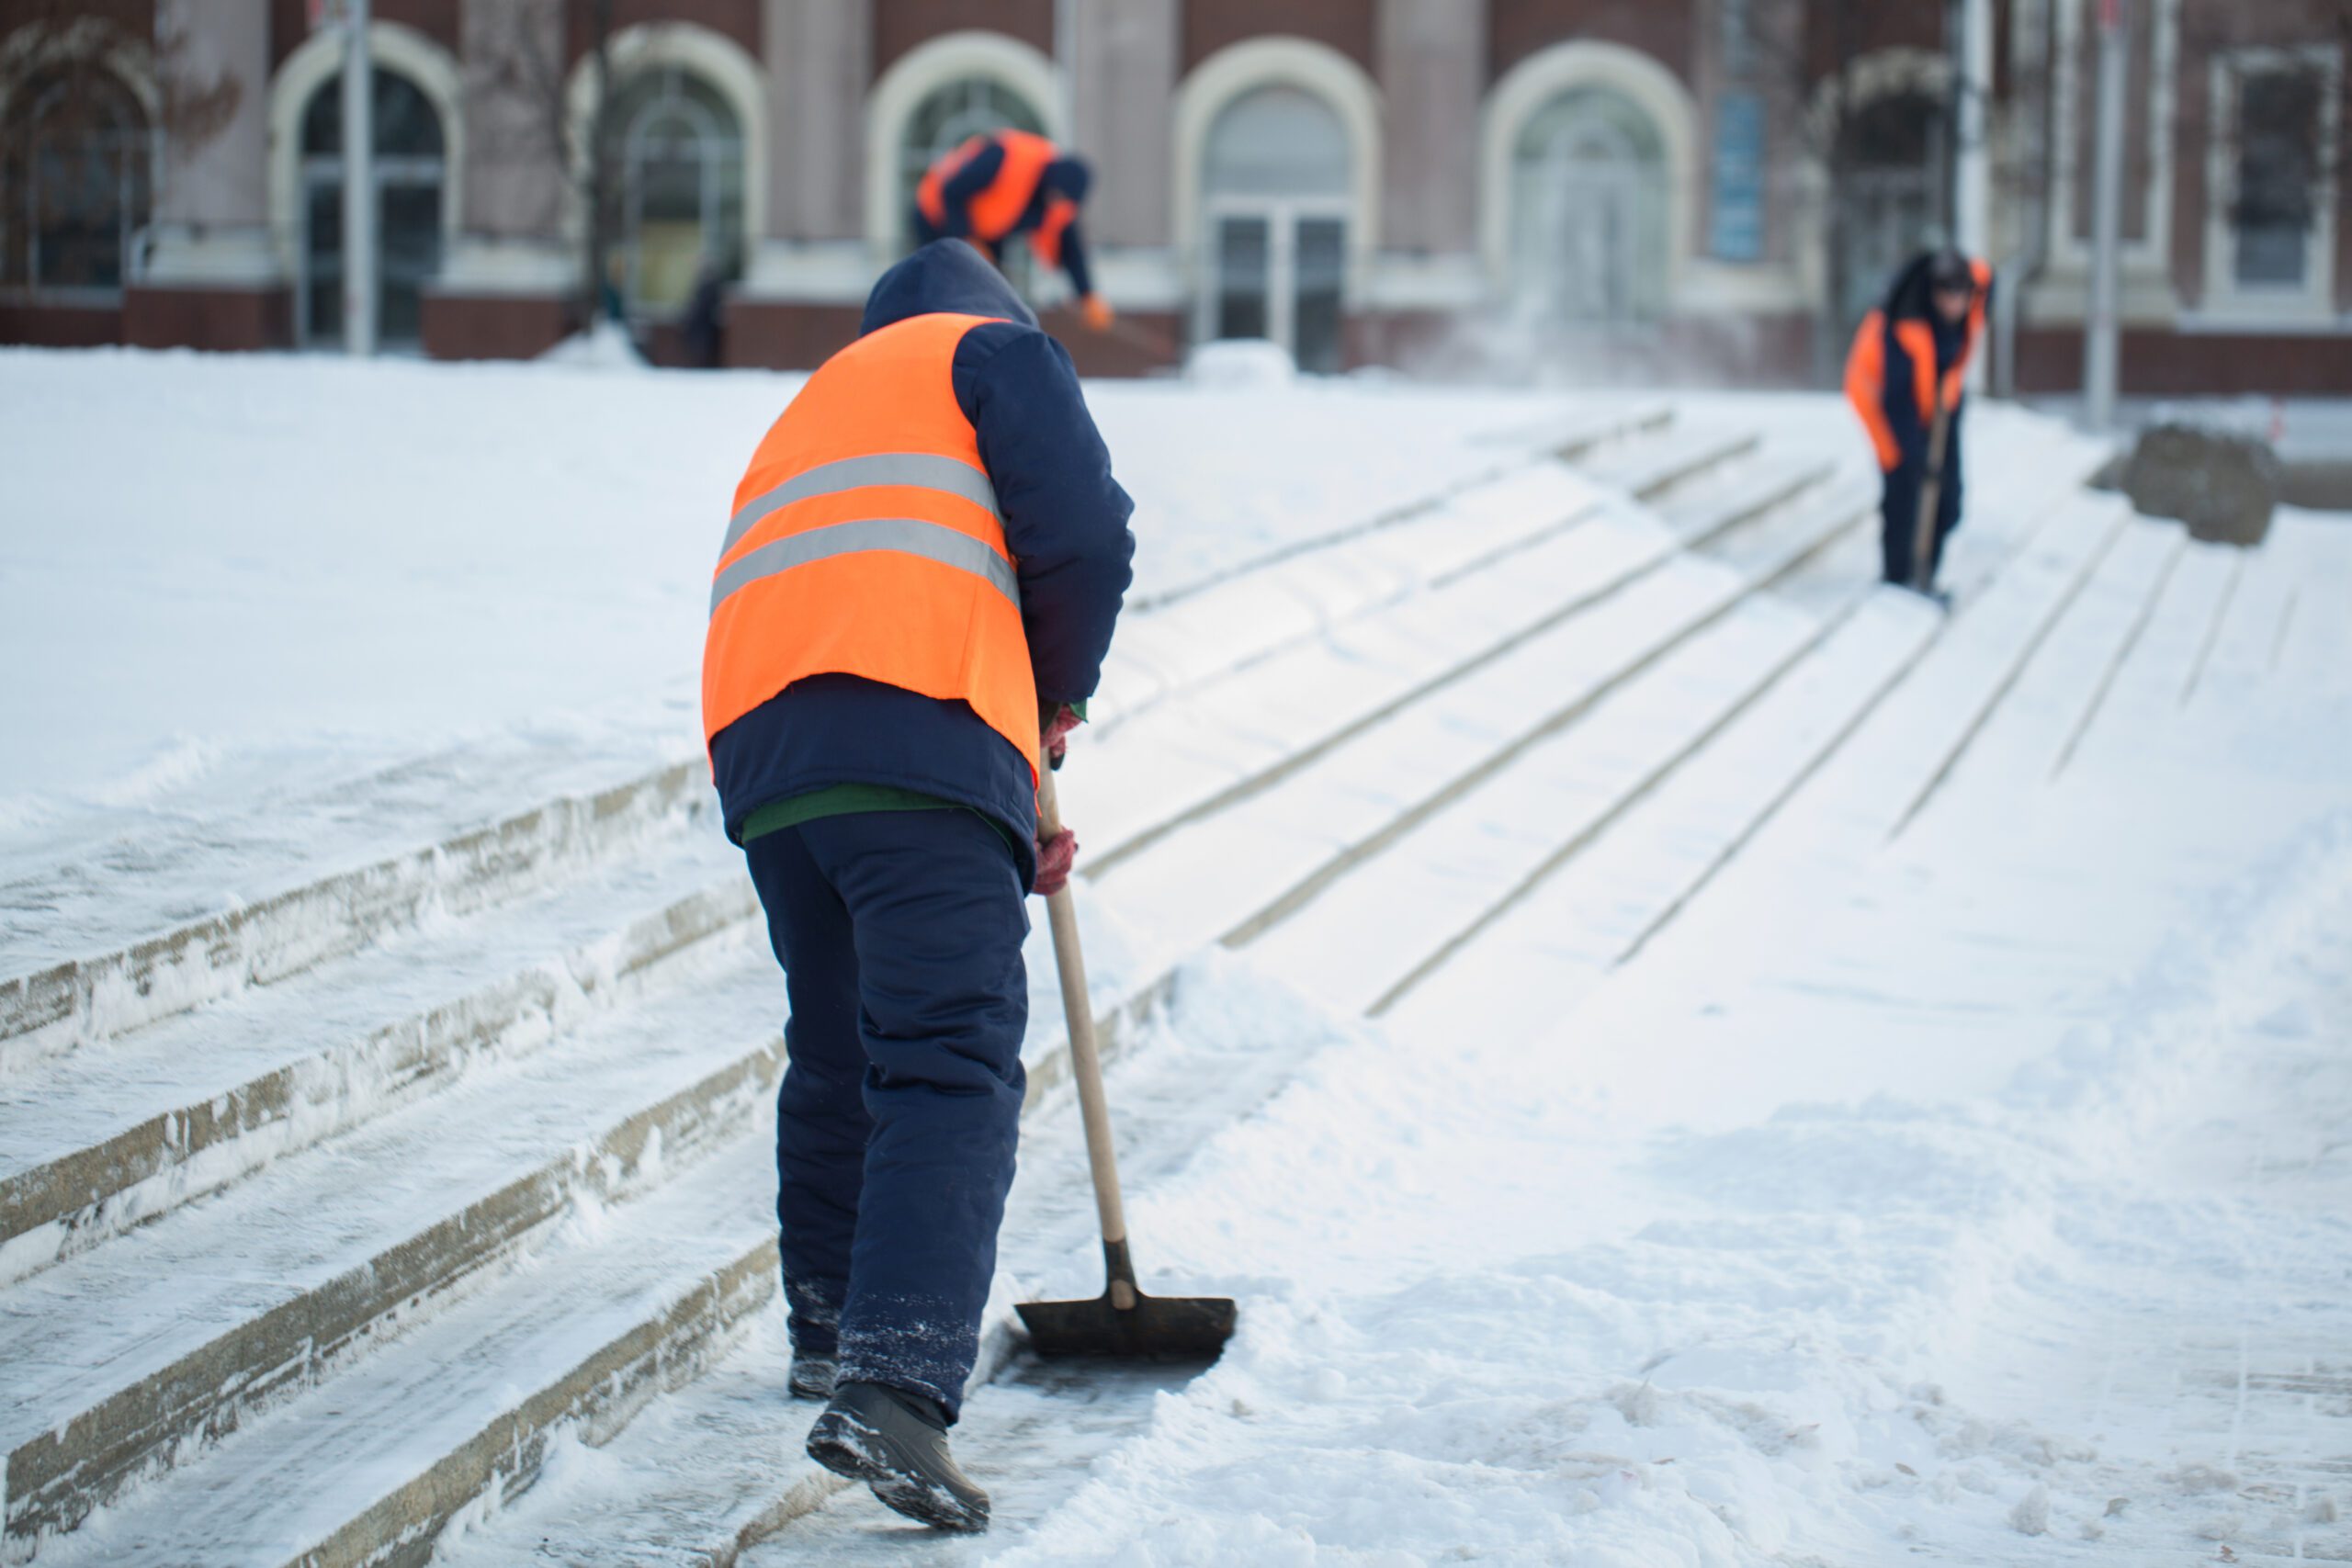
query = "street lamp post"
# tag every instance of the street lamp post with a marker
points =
(358, 184)
(2101, 328)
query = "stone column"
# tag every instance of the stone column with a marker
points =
(211, 215)
(1126, 106)
(805, 285)
(820, 61)
(1433, 68)
(818, 58)
(1432, 60)
(508, 285)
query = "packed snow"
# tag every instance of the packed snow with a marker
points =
(1967, 1175)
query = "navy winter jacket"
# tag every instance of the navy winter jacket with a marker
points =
(1066, 523)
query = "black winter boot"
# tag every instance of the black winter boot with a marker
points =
(897, 1443)
(811, 1376)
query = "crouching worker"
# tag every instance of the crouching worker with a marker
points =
(1909, 362)
(927, 558)
(1006, 184)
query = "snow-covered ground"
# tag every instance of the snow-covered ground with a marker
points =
(1910, 1129)
(244, 566)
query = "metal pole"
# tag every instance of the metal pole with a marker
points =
(1972, 171)
(1066, 57)
(358, 184)
(2099, 342)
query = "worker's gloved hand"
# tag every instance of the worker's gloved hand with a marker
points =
(1098, 312)
(1055, 857)
(1056, 722)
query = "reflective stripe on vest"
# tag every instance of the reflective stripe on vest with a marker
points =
(922, 470)
(908, 536)
(866, 541)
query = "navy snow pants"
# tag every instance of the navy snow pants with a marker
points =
(1899, 507)
(899, 932)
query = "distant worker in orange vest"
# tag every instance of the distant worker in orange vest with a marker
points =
(1909, 361)
(1007, 182)
(917, 586)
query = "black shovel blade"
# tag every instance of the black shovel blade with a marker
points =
(1155, 1328)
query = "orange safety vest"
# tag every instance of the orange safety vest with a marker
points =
(998, 207)
(1866, 368)
(866, 541)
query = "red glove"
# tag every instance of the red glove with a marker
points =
(1098, 312)
(1055, 857)
(1056, 741)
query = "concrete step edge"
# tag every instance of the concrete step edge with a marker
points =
(178, 1153)
(83, 1459)
(84, 1002)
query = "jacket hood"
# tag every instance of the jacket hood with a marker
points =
(1066, 176)
(1911, 293)
(947, 276)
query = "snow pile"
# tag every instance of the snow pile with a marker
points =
(607, 346)
(1238, 363)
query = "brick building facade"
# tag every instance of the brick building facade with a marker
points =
(1638, 188)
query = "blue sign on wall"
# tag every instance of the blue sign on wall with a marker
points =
(1735, 221)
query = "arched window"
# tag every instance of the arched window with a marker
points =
(675, 149)
(410, 172)
(944, 120)
(1893, 200)
(1588, 220)
(76, 180)
(1276, 179)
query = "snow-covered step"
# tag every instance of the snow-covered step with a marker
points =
(370, 1466)
(1594, 428)
(1244, 868)
(1371, 930)
(1244, 618)
(1226, 739)
(84, 999)
(1849, 806)
(1742, 488)
(1618, 420)
(1867, 793)
(174, 1334)
(1230, 736)
(1522, 966)
(2315, 645)
(1650, 469)
(104, 1138)
(2156, 678)
(2022, 738)
(2260, 611)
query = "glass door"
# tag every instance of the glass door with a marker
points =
(1278, 271)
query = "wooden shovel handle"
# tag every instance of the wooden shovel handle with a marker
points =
(1085, 1059)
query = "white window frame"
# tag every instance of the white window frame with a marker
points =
(2313, 301)
(317, 171)
(1232, 73)
(714, 144)
(135, 143)
(1532, 85)
(1283, 215)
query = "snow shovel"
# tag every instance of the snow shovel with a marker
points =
(1923, 538)
(1122, 1321)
